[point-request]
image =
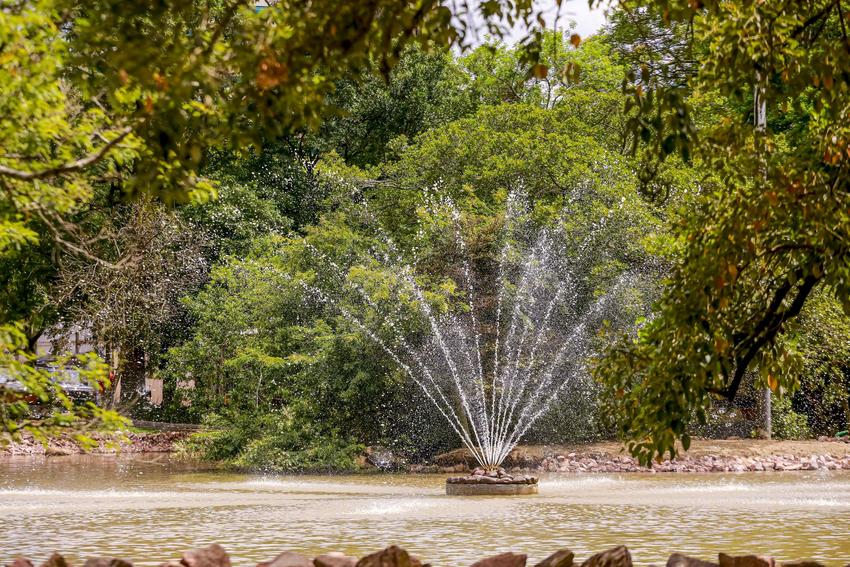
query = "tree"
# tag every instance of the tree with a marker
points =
(262, 345)
(769, 231)
(821, 336)
(423, 91)
(497, 73)
(134, 95)
(131, 300)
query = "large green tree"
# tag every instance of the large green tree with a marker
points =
(771, 228)
(134, 94)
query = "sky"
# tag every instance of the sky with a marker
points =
(587, 21)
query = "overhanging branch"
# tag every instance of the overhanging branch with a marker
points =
(70, 167)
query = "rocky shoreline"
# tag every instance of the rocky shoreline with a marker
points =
(718, 457)
(154, 442)
(705, 456)
(394, 556)
(596, 463)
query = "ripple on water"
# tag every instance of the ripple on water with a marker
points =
(97, 510)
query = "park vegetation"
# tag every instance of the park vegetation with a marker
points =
(168, 184)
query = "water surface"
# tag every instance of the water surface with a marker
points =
(150, 508)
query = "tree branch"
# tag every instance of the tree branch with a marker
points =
(70, 167)
(767, 330)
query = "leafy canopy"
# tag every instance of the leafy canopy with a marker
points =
(770, 228)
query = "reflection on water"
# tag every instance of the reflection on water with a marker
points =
(149, 509)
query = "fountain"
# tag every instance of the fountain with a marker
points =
(494, 365)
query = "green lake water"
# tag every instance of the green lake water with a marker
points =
(150, 508)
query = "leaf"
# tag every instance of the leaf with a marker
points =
(540, 71)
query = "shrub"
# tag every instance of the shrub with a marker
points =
(277, 442)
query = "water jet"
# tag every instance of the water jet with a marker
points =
(508, 344)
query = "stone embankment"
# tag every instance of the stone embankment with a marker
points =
(709, 456)
(393, 556)
(156, 442)
(706, 464)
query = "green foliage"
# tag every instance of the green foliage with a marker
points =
(770, 228)
(822, 337)
(263, 345)
(424, 90)
(787, 423)
(134, 96)
(499, 74)
(18, 415)
(273, 443)
(292, 114)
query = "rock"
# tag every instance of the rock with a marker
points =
(679, 560)
(745, 561)
(615, 557)
(55, 560)
(106, 562)
(288, 559)
(393, 556)
(20, 562)
(334, 559)
(502, 560)
(210, 556)
(561, 558)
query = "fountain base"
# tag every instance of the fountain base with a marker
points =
(491, 483)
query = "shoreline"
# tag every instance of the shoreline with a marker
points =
(153, 442)
(704, 456)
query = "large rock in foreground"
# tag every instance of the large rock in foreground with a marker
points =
(503, 560)
(616, 557)
(393, 556)
(288, 559)
(561, 558)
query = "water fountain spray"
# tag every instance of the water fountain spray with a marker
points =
(492, 372)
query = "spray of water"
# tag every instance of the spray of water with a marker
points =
(521, 337)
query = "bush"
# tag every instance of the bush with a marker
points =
(278, 443)
(788, 424)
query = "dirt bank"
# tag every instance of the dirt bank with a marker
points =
(153, 442)
(705, 455)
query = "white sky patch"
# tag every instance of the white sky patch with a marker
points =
(574, 14)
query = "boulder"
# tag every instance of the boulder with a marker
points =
(106, 562)
(503, 560)
(288, 559)
(55, 560)
(20, 562)
(679, 560)
(210, 556)
(745, 561)
(334, 559)
(561, 558)
(615, 557)
(393, 556)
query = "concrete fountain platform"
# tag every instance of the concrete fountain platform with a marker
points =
(491, 483)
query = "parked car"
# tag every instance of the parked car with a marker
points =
(67, 376)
